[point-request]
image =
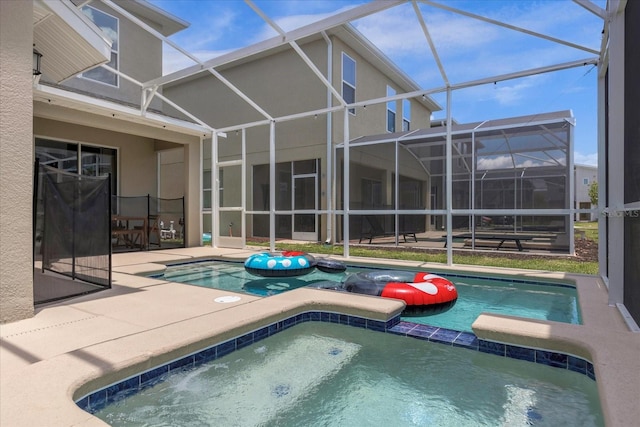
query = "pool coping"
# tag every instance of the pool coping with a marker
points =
(69, 349)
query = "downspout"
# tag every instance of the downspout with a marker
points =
(329, 174)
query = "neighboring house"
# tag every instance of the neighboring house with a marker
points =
(281, 83)
(585, 176)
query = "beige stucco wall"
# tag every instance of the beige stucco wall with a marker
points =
(16, 162)
(172, 176)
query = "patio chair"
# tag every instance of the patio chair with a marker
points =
(377, 230)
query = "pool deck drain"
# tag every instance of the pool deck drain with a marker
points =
(69, 348)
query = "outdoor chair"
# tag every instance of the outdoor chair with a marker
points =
(377, 230)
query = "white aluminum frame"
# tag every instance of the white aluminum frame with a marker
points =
(612, 36)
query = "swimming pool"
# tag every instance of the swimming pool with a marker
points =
(317, 374)
(500, 295)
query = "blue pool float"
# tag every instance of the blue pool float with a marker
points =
(280, 264)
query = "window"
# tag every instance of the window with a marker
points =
(585, 181)
(109, 26)
(349, 81)
(406, 115)
(72, 157)
(206, 189)
(391, 111)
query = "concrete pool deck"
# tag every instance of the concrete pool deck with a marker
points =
(74, 347)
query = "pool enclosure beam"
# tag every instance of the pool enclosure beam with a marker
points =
(614, 179)
(449, 182)
(509, 26)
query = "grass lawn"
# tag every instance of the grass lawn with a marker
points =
(564, 264)
(590, 229)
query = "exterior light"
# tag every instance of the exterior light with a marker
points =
(37, 56)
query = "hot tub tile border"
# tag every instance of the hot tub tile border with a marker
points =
(97, 400)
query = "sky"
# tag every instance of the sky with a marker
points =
(468, 49)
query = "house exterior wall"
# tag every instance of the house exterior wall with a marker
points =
(16, 160)
(171, 163)
(371, 83)
(581, 194)
(140, 57)
(281, 83)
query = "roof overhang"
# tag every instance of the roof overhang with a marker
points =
(58, 104)
(168, 24)
(68, 41)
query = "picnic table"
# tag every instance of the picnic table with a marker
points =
(502, 237)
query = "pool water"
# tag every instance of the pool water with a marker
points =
(321, 374)
(543, 301)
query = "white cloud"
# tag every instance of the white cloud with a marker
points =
(499, 162)
(585, 159)
(174, 60)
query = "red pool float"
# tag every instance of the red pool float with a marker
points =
(424, 293)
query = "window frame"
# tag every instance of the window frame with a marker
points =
(115, 64)
(79, 153)
(391, 111)
(347, 83)
(406, 115)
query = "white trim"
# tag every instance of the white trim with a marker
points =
(53, 95)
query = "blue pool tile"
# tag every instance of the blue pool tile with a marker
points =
(467, 340)
(225, 348)
(445, 336)
(401, 328)
(344, 319)
(376, 325)
(183, 364)
(204, 356)
(261, 334)
(577, 364)
(123, 389)
(551, 358)
(289, 322)
(491, 347)
(358, 322)
(520, 353)
(392, 322)
(84, 403)
(98, 400)
(152, 377)
(315, 316)
(591, 373)
(274, 328)
(303, 317)
(423, 332)
(243, 341)
(325, 317)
